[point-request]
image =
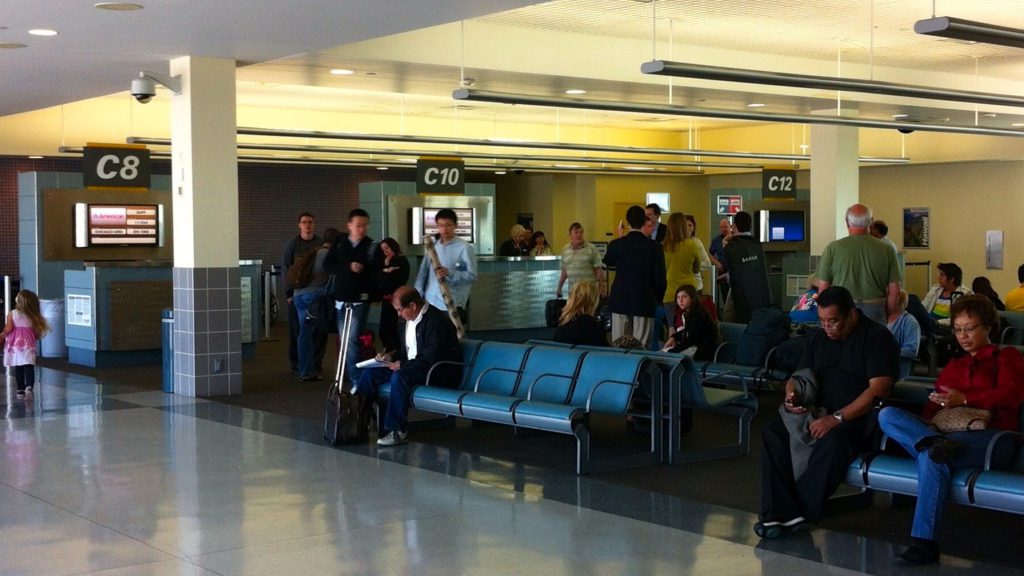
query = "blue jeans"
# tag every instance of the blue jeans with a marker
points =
(307, 347)
(403, 381)
(933, 479)
(359, 313)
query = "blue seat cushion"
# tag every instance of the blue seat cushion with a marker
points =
(436, 399)
(899, 474)
(1000, 490)
(547, 416)
(489, 407)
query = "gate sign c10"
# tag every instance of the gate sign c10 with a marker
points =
(440, 175)
(778, 184)
(116, 166)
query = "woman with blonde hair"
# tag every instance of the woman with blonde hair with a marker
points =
(578, 323)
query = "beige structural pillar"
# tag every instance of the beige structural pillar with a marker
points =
(835, 182)
(204, 166)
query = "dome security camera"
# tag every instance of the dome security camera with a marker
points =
(905, 130)
(143, 89)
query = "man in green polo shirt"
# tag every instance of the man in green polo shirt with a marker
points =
(864, 265)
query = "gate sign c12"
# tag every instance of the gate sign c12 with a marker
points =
(778, 184)
(440, 176)
(120, 166)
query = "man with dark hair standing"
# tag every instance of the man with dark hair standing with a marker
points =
(639, 284)
(879, 229)
(458, 265)
(653, 212)
(717, 254)
(430, 338)
(748, 272)
(854, 360)
(306, 241)
(351, 263)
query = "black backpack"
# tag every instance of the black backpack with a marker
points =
(768, 327)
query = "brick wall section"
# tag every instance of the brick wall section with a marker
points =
(270, 198)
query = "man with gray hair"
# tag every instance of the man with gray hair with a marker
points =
(865, 266)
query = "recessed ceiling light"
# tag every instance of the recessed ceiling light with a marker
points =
(989, 115)
(382, 167)
(575, 91)
(118, 6)
(500, 172)
(342, 71)
(898, 116)
(35, 157)
(42, 32)
(755, 105)
(1018, 124)
(11, 45)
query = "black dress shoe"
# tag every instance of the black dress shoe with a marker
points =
(921, 552)
(943, 450)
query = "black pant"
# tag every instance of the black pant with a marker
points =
(389, 326)
(25, 376)
(782, 497)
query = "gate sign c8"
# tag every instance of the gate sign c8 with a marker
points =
(116, 167)
(434, 175)
(778, 184)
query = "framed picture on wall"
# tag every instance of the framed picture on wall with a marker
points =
(916, 228)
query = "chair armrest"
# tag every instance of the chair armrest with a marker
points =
(1002, 335)
(476, 385)
(1017, 436)
(768, 358)
(743, 381)
(721, 347)
(435, 365)
(529, 391)
(593, 390)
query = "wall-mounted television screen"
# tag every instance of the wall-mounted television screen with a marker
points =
(781, 226)
(118, 225)
(422, 223)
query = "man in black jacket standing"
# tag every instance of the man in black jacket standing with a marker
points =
(748, 272)
(352, 265)
(430, 338)
(639, 284)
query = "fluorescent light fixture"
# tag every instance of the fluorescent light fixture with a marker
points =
(35, 157)
(500, 172)
(719, 73)
(342, 71)
(531, 100)
(575, 91)
(118, 6)
(1018, 124)
(971, 31)
(382, 167)
(755, 105)
(42, 32)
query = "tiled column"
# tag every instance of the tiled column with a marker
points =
(204, 165)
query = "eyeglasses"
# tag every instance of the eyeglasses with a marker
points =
(967, 330)
(830, 322)
(306, 221)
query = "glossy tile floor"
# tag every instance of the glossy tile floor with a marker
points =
(119, 480)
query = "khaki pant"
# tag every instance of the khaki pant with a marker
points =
(638, 327)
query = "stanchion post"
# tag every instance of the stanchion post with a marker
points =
(267, 279)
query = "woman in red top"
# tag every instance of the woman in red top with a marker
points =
(984, 377)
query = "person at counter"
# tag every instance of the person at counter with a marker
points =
(580, 262)
(639, 279)
(539, 245)
(517, 244)
(305, 241)
(458, 266)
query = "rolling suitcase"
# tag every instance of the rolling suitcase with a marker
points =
(553, 312)
(345, 419)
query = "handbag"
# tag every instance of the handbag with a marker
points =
(961, 418)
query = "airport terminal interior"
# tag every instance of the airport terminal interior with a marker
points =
(167, 433)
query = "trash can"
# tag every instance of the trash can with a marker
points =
(52, 345)
(167, 333)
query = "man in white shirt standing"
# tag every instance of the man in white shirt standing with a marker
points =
(458, 266)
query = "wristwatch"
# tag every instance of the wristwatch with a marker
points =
(838, 415)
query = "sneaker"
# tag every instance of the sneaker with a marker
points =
(20, 394)
(393, 438)
(770, 530)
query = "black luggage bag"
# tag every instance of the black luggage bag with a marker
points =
(347, 416)
(553, 311)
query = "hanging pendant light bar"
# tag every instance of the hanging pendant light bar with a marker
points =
(719, 73)
(970, 31)
(530, 100)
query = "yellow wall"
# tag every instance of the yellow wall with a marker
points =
(966, 200)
